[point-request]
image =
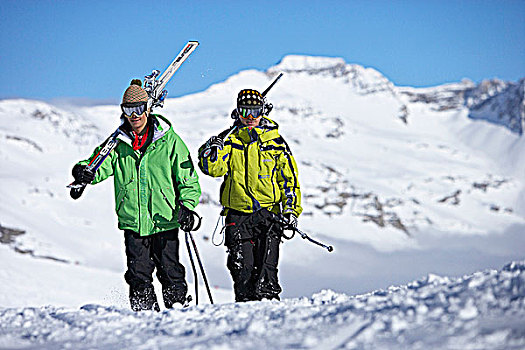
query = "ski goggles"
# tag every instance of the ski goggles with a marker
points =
(138, 108)
(250, 113)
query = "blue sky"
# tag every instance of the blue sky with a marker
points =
(92, 49)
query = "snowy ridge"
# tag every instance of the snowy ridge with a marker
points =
(364, 80)
(500, 103)
(495, 101)
(32, 114)
(478, 311)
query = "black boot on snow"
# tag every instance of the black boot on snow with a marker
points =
(175, 294)
(142, 299)
(268, 291)
(247, 294)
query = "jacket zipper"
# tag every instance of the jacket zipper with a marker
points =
(273, 185)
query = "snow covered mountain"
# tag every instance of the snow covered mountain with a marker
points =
(401, 181)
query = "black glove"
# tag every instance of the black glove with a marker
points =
(292, 221)
(215, 141)
(211, 147)
(186, 219)
(82, 174)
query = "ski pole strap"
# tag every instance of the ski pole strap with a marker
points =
(288, 237)
(198, 220)
(221, 233)
(305, 236)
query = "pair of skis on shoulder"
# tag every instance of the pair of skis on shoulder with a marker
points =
(154, 86)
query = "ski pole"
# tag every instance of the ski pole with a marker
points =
(280, 220)
(305, 236)
(201, 266)
(195, 281)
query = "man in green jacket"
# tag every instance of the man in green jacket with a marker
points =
(260, 181)
(156, 187)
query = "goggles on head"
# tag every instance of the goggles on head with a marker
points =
(250, 112)
(138, 108)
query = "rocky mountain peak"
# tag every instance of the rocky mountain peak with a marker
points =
(494, 100)
(362, 80)
(498, 102)
(298, 63)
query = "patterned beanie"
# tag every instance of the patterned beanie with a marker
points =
(250, 98)
(135, 93)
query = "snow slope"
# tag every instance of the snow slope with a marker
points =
(483, 310)
(402, 182)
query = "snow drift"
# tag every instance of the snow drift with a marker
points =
(478, 311)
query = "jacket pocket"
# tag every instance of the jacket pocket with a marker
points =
(127, 205)
(163, 207)
(266, 179)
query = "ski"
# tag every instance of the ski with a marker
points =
(154, 85)
(78, 187)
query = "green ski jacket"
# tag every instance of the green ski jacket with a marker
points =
(149, 186)
(259, 171)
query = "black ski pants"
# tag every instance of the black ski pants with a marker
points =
(253, 254)
(144, 254)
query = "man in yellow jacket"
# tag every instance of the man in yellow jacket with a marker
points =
(260, 182)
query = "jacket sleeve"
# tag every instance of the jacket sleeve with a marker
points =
(185, 176)
(105, 170)
(287, 178)
(218, 166)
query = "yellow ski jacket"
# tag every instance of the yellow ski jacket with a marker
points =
(259, 171)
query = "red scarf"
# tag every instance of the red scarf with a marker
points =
(140, 140)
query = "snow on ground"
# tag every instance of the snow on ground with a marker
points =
(483, 310)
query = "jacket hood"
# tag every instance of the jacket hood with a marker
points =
(160, 124)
